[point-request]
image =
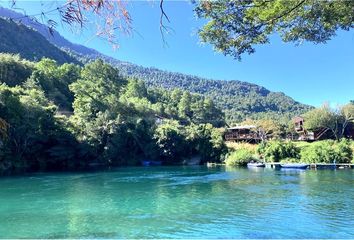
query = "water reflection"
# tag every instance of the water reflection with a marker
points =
(176, 202)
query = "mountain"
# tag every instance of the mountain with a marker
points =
(17, 38)
(239, 100)
(53, 37)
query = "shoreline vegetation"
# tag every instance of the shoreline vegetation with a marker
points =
(70, 117)
(276, 151)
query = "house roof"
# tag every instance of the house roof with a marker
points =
(298, 119)
(243, 127)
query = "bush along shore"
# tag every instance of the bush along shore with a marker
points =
(276, 151)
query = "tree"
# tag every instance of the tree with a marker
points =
(184, 105)
(136, 88)
(347, 112)
(35, 138)
(96, 105)
(3, 129)
(322, 118)
(206, 141)
(235, 27)
(54, 80)
(171, 142)
(14, 70)
(335, 120)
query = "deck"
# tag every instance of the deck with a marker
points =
(317, 165)
(242, 137)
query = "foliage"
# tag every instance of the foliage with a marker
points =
(352, 148)
(113, 120)
(171, 142)
(327, 151)
(176, 142)
(322, 117)
(54, 80)
(14, 70)
(187, 107)
(207, 142)
(36, 139)
(237, 99)
(274, 151)
(233, 146)
(336, 121)
(240, 157)
(235, 27)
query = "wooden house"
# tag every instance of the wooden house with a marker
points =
(245, 133)
(349, 131)
(305, 135)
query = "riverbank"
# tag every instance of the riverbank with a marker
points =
(276, 151)
(315, 166)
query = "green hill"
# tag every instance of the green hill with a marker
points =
(18, 39)
(239, 100)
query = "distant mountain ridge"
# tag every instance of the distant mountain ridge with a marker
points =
(239, 100)
(17, 38)
(54, 38)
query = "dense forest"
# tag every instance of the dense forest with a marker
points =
(56, 117)
(239, 100)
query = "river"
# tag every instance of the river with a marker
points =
(179, 202)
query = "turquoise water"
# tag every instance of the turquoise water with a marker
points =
(179, 202)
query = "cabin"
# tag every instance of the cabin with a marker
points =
(245, 133)
(305, 135)
(349, 131)
(159, 120)
(65, 113)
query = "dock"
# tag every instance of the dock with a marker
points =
(317, 165)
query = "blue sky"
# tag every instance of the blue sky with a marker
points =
(309, 73)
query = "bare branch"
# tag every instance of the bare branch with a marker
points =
(163, 28)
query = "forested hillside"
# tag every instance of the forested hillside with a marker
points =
(239, 100)
(59, 117)
(17, 38)
(53, 37)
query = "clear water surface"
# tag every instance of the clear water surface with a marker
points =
(179, 202)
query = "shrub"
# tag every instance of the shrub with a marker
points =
(240, 157)
(344, 150)
(233, 146)
(275, 151)
(327, 151)
(352, 147)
